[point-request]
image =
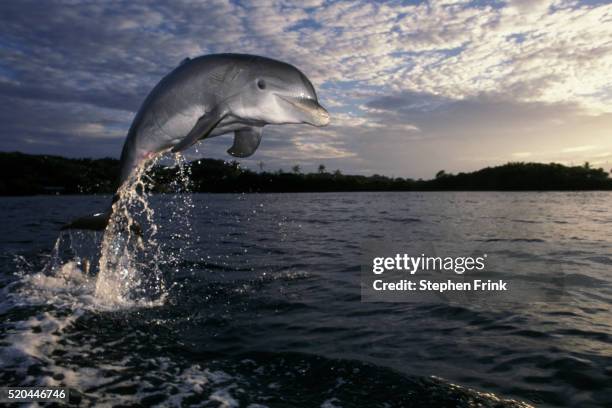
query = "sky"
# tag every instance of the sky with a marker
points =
(412, 87)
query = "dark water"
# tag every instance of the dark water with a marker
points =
(263, 304)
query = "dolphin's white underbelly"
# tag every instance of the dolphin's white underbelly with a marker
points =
(178, 125)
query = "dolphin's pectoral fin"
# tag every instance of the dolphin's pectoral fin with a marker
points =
(202, 128)
(246, 142)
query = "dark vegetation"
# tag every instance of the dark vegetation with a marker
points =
(22, 174)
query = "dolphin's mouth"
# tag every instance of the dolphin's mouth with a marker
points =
(315, 114)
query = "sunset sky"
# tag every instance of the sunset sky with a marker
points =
(413, 87)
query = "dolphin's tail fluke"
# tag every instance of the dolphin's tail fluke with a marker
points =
(99, 221)
(130, 165)
(95, 222)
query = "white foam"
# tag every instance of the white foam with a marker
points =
(223, 396)
(331, 403)
(44, 341)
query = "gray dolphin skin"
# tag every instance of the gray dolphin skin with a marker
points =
(210, 96)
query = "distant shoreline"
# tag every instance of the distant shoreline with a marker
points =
(311, 192)
(109, 195)
(26, 175)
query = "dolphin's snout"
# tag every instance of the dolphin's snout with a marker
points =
(311, 112)
(319, 116)
(323, 116)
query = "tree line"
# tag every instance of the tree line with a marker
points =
(24, 174)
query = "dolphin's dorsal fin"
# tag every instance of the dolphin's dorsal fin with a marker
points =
(183, 62)
(201, 130)
(246, 142)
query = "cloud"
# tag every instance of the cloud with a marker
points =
(575, 149)
(522, 155)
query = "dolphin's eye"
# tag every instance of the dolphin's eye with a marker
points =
(261, 84)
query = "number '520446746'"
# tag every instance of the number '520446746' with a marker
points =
(26, 394)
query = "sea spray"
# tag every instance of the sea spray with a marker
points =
(128, 257)
(79, 247)
(129, 269)
(181, 208)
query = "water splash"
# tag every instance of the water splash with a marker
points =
(181, 207)
(80, 247)
(128, 257)
(129, 266)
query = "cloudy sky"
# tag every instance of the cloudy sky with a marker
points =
(413, 87)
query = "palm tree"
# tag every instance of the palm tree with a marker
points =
(296, 169)
(321, 168)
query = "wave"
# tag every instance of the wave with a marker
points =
(55, 327)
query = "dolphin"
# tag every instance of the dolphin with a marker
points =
(209, 96)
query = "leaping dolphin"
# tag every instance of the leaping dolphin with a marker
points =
(209, 96)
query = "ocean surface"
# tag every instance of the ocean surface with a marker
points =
(254, 301)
